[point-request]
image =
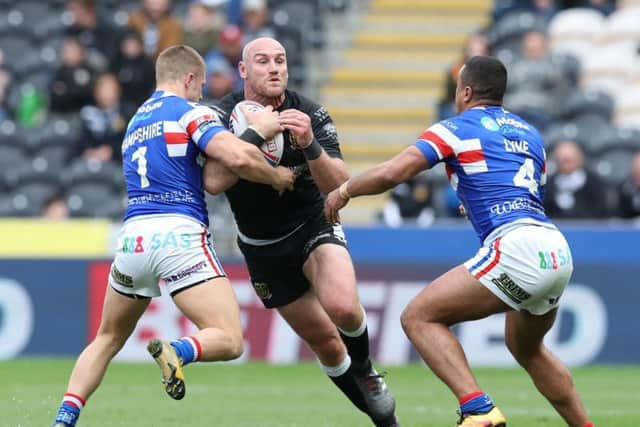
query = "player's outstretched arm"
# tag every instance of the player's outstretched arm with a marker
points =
(376, 180)
(246, 161)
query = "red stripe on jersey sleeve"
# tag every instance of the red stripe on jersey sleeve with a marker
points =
(471, 156)
(444, 148)
(176, 138)
(193, 124)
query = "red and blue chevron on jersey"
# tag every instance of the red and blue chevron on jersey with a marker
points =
(496, 163)
(162, 156)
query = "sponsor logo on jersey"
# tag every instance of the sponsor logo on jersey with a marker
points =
(262, 290)
(121, 278)
(147, 108)
(489, 124)
(508, 121)
(185, 273)
(449, 124)
(510, 289)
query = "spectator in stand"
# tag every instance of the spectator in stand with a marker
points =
(55, 208)
(629, 195)
(535, 81)
(476, 45)
(220, 80)
(72, 84)
(103, 124)
(6, 78)
(256, 20)
(99, 38)
(411, 203)
(574, 192)
(229, 50)
(157, 27)
(203, 25)
(134, 70)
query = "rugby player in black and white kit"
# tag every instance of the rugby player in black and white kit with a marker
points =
(299, 263)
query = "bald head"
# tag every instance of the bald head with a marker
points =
(261, 44)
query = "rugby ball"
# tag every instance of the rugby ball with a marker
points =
(271, 149)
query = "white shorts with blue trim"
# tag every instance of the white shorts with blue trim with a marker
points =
(528, 267)
(172, 248)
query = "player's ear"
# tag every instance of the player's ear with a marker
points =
(467, 94)
(242, 68)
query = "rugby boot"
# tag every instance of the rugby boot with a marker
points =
(391, 421)
(378, 397)
(170, 366)
(493, 418)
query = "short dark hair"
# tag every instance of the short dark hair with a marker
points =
(487, 76)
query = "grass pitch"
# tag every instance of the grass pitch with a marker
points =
(260, 395)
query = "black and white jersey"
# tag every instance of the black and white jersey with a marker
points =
(258, 209)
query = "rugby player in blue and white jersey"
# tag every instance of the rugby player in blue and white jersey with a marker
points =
(496, 164)
(165, 234)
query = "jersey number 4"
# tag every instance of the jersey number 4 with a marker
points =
(139, 156)
(525, 177)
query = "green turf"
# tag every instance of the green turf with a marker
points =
(260, 395)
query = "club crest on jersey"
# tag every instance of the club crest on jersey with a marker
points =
(489, 124)
(262, 290)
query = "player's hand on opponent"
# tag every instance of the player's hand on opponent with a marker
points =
(264, 121)
(333, 204)
(285, 179)
(462, 211)
(299, 124)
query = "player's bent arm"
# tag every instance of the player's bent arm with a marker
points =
(387, 175)
(241, 158)
(217, 178)
(328, 172)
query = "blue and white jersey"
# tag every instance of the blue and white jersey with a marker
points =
(162, 157)
(496, 163)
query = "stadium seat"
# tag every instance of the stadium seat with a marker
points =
(31, 185)
(81, 172)
(304, 16)
(14, 46)
(622, 25)
(588, 101)
(609, 67)
(12, 153)
(613, 165)
(508, 31)
(88, 199)
(574, 30)
(627, 112)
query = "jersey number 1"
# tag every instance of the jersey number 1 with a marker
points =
(139, 155)
(525, 177)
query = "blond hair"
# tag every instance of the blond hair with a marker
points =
(175, 62)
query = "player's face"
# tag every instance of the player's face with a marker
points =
(265, 70)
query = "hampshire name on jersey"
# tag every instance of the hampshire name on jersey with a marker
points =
(496, 163)
(162, 157)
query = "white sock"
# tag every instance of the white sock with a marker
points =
(336, 371)
(361, 328)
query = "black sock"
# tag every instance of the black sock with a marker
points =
(347, 384)
(358, 348)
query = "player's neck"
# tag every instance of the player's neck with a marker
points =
(173, 88)
(479, 103)
(275, 102)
